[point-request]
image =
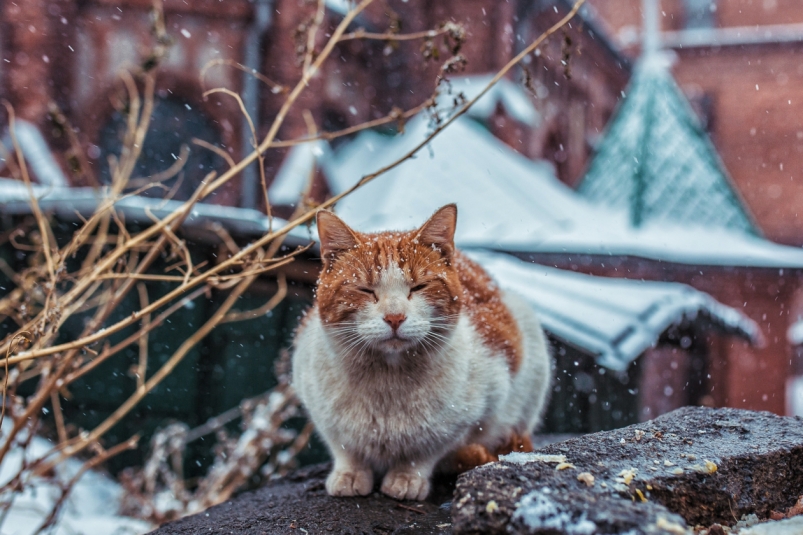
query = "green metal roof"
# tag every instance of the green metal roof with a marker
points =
(657, 162)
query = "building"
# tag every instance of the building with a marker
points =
(61, 72)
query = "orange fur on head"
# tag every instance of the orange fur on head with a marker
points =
(353, 262)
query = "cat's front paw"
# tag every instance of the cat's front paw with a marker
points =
(405, 486)
(350, 483)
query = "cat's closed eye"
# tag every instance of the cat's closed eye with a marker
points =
(417, 288)
(367, 291)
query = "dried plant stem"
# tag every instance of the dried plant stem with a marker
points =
(303, 218)
(142, 366)
(96, 461)
(81, 442)
(389, 36)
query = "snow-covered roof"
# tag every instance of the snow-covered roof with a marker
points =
(656, 163)
(68, 203)
(513, 99)
(795, 333)
(510, 203)
(614, 320)
(294, 174)
(36, 153)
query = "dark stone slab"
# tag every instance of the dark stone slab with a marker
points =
(299, 504)
(694, 464)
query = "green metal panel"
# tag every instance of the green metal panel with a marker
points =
(657, 163)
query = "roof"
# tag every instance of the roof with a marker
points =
(72, 204)
(655, 162)
(36, 152)
(795, 333)
(294, 174)
(512, 98)
(614, 320)
(510, 203)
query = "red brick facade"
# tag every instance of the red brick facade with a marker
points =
(70, 53)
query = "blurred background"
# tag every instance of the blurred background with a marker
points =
(637, 179)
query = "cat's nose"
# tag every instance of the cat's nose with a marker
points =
(395, 320)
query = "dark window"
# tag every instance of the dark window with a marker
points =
(173, 124)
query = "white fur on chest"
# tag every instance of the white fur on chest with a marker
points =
(396, 417)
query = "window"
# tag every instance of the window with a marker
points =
(174, 123)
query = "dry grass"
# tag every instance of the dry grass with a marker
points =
(52, 290)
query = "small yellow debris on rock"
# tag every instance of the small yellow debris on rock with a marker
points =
(671, 527)
(492, 507)
(564, 466)
(707, 468)
(641, 495)
(678, 471)
(639, 435)
(627, 475)
(586, 478)
(668, 463)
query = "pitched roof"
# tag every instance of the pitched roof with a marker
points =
(510, 203)
(614, 320)
(657, 163)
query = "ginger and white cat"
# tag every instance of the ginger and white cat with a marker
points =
(412, 356)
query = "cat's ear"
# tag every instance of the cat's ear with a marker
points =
(334, 234)
(438, 231)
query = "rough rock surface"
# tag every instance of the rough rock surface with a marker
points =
(299, 504)
(704, 465)
(692, 466)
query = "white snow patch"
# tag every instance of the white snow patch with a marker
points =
(538, 511)
(520, 457)
(90, 509)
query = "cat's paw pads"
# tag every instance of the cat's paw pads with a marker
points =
(350, 483)
(405, 486)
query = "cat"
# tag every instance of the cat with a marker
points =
(411, 356)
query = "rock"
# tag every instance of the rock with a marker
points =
(694, 466)
(299, 504)
(790, 526)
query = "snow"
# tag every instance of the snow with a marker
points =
(89, 509)
(513, 99)
(65, 202)
(341, 7)
(615, 320)
(794, 396)
(540, 512)
(795, 333)
(292, 178)
(36, 152)
(510, 203)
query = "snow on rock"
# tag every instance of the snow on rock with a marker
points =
(540, 513)
(90, 509)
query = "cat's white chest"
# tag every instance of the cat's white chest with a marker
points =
(391, 416)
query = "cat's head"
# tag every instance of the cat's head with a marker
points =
(390, 292)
